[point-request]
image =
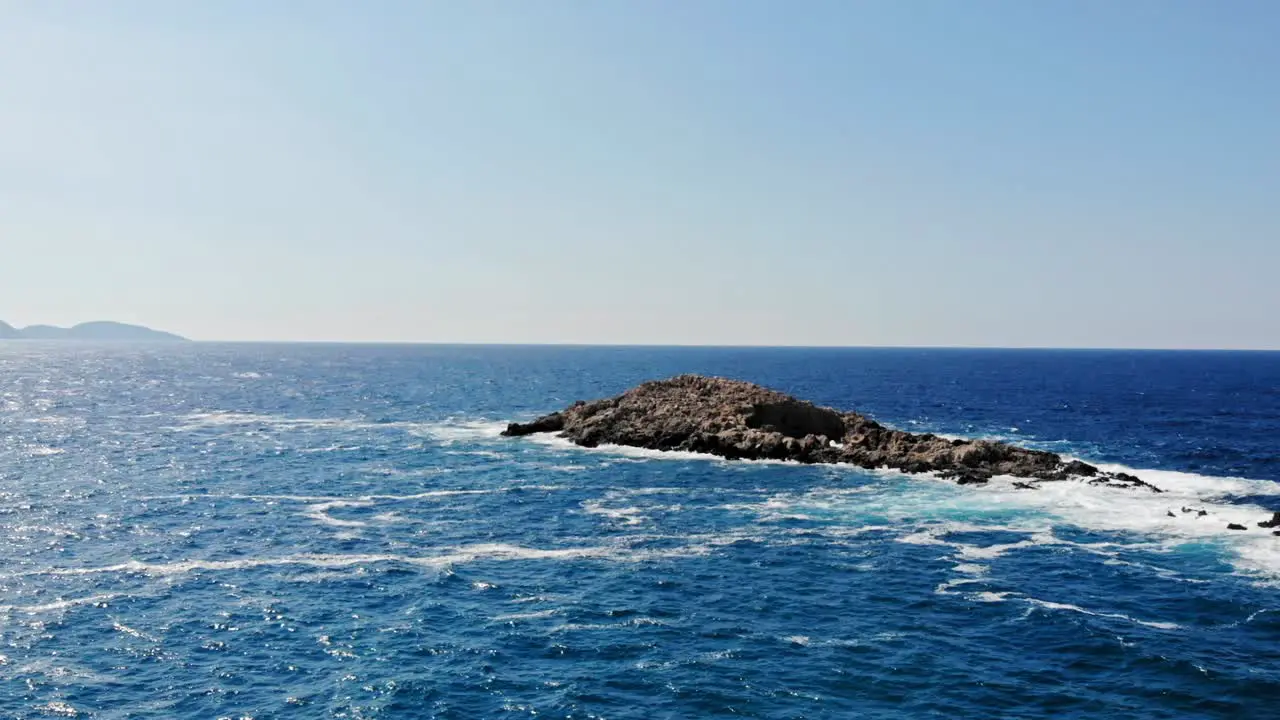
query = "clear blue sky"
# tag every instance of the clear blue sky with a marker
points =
(1082, 173)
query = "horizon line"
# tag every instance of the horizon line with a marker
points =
(730, 346)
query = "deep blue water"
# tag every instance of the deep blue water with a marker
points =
(259, 531)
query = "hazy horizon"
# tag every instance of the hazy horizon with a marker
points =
(623, 344)
(987, 174)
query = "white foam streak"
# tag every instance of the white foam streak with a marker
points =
(119, 627)
(457, 556)
(559, 443)
(945, 588)
(320, 513)
(61, 604)
(454, 431)
(367, 498)
(448, 431)
(58, 708)
(987, 596)
(1116, 616)
(638, 454)
(534, 615)
(624, 515)
(330, 448)
(632, 623)
(993, 551)
(1259, 612)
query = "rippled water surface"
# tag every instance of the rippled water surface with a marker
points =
(257, 531)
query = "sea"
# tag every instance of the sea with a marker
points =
(339, 531)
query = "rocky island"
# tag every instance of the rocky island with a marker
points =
(740, 420)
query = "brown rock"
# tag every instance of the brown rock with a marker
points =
(547, 423)
(736, 419)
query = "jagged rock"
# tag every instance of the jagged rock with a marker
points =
(1121, 480)
(547, 423)
(1273, 522)
(740, 420)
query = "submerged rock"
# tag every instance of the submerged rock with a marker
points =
(740, 420)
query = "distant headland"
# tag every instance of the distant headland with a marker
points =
(101, 331)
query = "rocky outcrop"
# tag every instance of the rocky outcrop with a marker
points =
(740, 420)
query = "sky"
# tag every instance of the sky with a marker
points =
(1082, 173)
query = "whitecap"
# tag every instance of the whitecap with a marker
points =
(320, 513)
(199, 420)
(986, 552)
(533, 615)
(623, 515)
(455, 556)
(631, 623)
(60, 604)
(59, 708)
(946, 587)
(330, 448)
(1116, 616)
(367, 498)
(533, 598)
(122, 628)
(1257, 613)
(450, 432)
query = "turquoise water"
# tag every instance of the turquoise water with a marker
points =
(337, 531)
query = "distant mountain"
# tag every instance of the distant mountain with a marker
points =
(101, 331)
(43, 332)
